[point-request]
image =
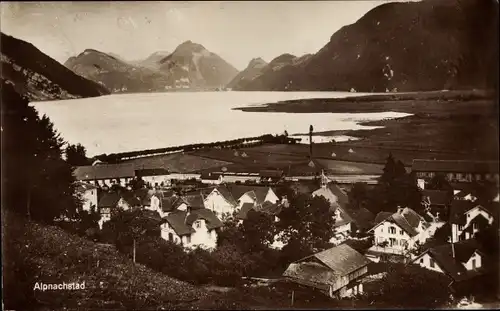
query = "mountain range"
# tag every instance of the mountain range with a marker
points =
(39, 77)
(414, 46)
(190, 66)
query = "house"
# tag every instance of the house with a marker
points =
(398, 233)
(337, 271)
(467, 218)
(105, 174)
(461, 195)
(155, 177)
(211, 178)
(111, 202)
(191, 227)
(256, 195)
(460, 261)
(219, 200)
(268, 208)
(88, 194)
(271, 175)
(455, 170)
(362, 218)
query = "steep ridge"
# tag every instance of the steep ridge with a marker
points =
(39, 77)
(415, 46)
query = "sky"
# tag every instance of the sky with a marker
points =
(237, 31)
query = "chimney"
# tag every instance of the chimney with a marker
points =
(400, 210)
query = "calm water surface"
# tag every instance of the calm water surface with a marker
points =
(127, 122)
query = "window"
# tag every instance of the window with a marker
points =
(401, 232)
(431, 262)
(474, 226)
(197, 224)
(188, 239)
(170, 237)
(421, 260)
(392, 230)
(460, 227)
(473, 263)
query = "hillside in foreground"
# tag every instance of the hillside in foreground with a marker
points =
(38, 253)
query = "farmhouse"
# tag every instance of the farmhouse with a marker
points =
(105, 174)
(336, 272)
(399, 232)
(111, 202)
(88, 193)
(191, 227)
(467, 218)
(219, 200)
(455, 170)
(460, 261)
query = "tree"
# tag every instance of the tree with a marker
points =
(257, 231)
(36, 181)
(308, 221)
(439, 182)
(412, 286)
(358, 195)
(76, 155)
(389, 170)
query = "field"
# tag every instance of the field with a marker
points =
(177, 162)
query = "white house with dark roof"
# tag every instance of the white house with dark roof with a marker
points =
(399, 232)
(219, 200)
(460, 261)
(337, 272)
(212, 178)
(467, 218)
(256, 195)
(155, 177)
(191, 228)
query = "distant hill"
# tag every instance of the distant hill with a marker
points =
(253, 70)
(279, 68)
(191, 66)
(115, 74)
(153, 60)
(39, 77)
(415, 46)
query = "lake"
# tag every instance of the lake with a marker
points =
(128, 122)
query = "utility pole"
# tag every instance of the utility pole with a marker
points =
(311, 129)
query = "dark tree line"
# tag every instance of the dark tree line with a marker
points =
(36, 180)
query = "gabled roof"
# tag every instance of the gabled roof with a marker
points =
(270, 208)
(171, 203)
(345, 218)
(459, 166)
(311, 274)
(104, 171)
(459, 208)
(259, 193)
(407, 219)
(453, 266)
(341, 259)
(195, 201)
(182, 222)
(381, 216)
(109, 199)
(326, 193)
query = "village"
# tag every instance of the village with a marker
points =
(441, 224)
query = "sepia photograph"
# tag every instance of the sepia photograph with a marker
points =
(250, 155)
